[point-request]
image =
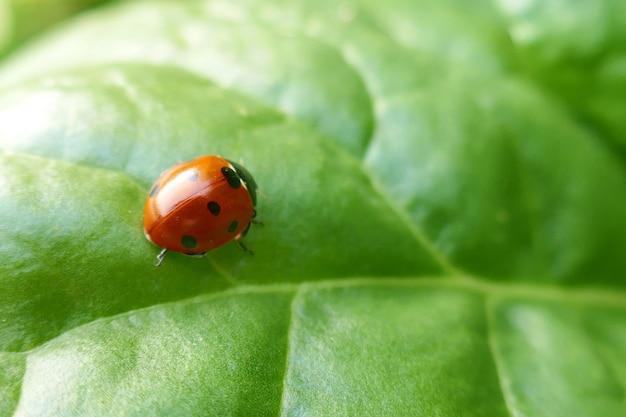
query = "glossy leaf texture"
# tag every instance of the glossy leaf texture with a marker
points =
(443, 207)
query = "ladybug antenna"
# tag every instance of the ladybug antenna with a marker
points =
(262, 195)
(160, 257)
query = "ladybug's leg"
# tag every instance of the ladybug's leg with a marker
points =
(241, 236)
(255, 221)
(244, 247)
(196, 255)
(160, 257)
(245, 232)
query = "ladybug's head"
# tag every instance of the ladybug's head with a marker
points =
(247, 179)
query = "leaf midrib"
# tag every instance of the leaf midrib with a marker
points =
(574, 297)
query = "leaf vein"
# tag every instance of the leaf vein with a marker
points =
(505, 387)
(288, 351)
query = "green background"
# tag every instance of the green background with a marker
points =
(444, 208)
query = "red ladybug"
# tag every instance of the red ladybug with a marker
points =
(200, 205)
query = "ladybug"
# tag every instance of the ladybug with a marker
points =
(200, 205)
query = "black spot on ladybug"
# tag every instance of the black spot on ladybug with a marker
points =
(233, 226)
(214, 207)
(154, 190)
(193, 175)
(231, 176)
(189, 242)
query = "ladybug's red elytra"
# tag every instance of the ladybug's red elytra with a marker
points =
(200, 205)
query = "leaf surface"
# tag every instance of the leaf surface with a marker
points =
(443, 216)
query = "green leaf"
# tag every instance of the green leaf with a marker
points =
(575, 49)
(443, 199)
(130, 357)
(21, 20)
(103, 184)
(493, 170)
